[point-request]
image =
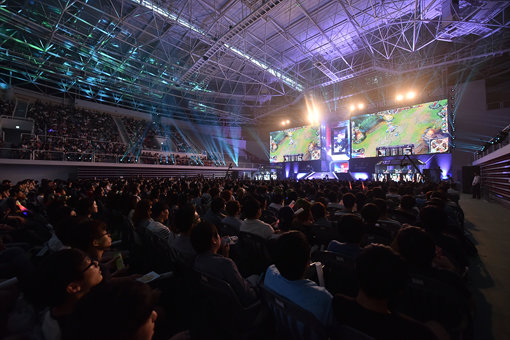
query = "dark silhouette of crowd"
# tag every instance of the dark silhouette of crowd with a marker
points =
(193, 258)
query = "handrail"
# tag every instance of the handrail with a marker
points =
(97, 157)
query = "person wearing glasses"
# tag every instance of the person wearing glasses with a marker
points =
(63, 279)
(93, 238)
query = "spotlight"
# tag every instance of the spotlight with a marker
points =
(283, 123)
(288, 121)
(352, 108)
(411, 95)
(361, 106)
(399, 97)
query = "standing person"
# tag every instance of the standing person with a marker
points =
(476, 185)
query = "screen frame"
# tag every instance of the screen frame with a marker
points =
(450, 146)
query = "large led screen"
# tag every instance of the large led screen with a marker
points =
(412, 130)
(294, 145)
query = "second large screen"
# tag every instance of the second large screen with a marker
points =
(297, 144)
(414, 130)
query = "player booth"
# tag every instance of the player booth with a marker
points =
(399, 170)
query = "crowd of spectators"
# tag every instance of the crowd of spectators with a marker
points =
(74, 250)
(6, 107)
(64, 133)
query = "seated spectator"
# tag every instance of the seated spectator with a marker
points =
(117, 310)
(186, 218)
(86, 207)
(160, 213)
(252, 224)
(215, 213)
(407, 211)
(417, 248)
(319, 214)
(434, 221)
(212, 259)
(333, 203)
(92, 238)
(232, 221)
(285, 217)
(349, 201)
(59, 283)
(384, 221)
(286, 276)
(351, 229)
(381, 275)
(142, 214)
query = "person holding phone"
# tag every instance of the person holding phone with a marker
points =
(213, 260)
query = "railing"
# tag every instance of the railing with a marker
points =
(63, 156)
(500, 140)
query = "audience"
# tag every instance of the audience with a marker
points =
(40, 216)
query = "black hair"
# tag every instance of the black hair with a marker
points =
(158, 208)
(201, 236)
(251, 208)
(285, 217)
(53, 276)
(370, 213)
(351, 228)
(415, 246)
(232, 208)
(217, 204)
(115, 310)
(82, 236)
(292, 255)
(407, 202)
(381, 273)
(184, 217)
(318, 210)
(349, 200)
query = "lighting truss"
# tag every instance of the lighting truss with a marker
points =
(238, 57)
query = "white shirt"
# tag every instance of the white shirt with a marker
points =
(257, 227)
(476, 180)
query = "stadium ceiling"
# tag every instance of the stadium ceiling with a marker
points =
(230, 60)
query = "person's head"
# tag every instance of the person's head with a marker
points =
(415, 246)
(252, 208)
(433, 218)
(86, 207)
(226, 195)
(277, 198)
(349, 200)
(116, 311)
(217, 205)
(381, 273)
(90, 235)
(143, 211)
(381, 204)
(66, 275)
(332, 196)
(160, 211)
(233, 208)
(205, 238)
(285, 217)
(352, 228)
(407, 202)
(370, 213)
(318, 210)
(292, 255)
(186, 218)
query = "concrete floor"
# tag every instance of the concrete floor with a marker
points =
(489, 224)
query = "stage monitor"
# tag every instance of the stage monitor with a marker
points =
(412, 130)
(295, 145)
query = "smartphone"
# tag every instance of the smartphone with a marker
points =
(119, 262)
